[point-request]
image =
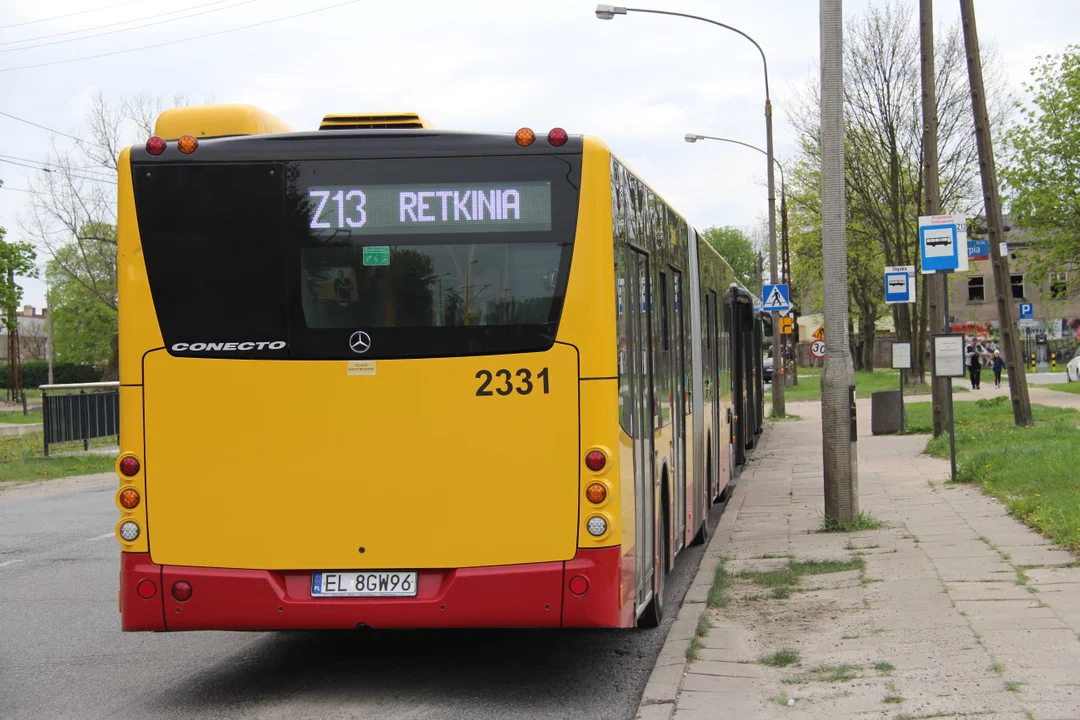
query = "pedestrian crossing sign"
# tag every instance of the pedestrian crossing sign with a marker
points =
(776, 298)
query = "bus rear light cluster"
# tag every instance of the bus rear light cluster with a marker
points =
(596, 526)
(129, 498)
(187, 144)
(595, 460)
(129, 531)
(181, 591)
(129, 466)
(596, 493)
(155, 145)
(525, 137)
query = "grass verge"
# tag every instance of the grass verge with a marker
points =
(782, 581)
(16, 417)
(809, 387)
(1031, 470)
(718, 591)
(22, 459)
(863, 522)
(781, 658)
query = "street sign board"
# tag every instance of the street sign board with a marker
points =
(817, 348)
(943, 243)
(377, 255)
(978, 249)
(901, 356)
(819, 334)
(948, 350)
(1027, 311)
(775, 298)
(900, 284)
(785, 325)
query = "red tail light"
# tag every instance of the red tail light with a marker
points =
(595, 460)
(557, 137)
(146, 589)
(155, 145)
(129, 466)
(181, 591)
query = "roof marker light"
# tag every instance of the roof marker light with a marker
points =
(187, 144)
(557, 137)
(155, 145)
(525, 137)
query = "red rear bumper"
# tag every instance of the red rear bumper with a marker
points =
(536, 595)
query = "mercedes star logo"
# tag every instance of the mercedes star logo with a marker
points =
(359, 342)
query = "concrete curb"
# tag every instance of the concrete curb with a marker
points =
(665, 682)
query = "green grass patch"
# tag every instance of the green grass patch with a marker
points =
(893, 700)
(884, 668)
(998, 668)
(1013, 685)
(824, 673)
(782, 581)
(1032, 470)
(17, 417)
(718, 596)
(692, 649)
(703, 626)
(781, 658)
(809, 387)
(863, 522)
(22, 459)
(780, 699)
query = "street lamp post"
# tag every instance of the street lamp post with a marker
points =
(608, 12)
(694, 137)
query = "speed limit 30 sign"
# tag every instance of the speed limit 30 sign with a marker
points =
(817, 348)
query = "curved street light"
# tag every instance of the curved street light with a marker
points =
(608, 12)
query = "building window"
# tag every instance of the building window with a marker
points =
(1059, 287)
(1017, 286)
(976, 290)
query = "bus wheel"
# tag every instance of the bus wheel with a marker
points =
(654, 612)
(702, 536)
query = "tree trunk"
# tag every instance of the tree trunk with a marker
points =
(111, 373)
(869, 331)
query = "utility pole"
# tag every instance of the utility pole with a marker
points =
(937, 292)
(838, 430)
(48, 331)
(778, 404)
(995, 222)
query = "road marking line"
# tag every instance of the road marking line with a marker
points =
(101, 537)
(10, 562)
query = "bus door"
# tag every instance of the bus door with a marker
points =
(719, 430)
(639, 341)
(679, 384)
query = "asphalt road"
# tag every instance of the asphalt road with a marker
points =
(62, 654)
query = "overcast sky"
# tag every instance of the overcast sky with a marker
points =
(640, 82)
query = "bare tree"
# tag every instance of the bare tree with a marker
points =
(883, 119)
(73, 206)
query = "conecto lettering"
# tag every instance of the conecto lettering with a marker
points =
(228, 346)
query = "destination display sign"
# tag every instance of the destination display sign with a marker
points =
(429, 208)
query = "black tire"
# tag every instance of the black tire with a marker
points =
(654, 611)
(702, 536)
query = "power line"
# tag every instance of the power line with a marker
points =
(69, 173)
(37, 125)
(88, 170)
(112, 24)
(73, 14)
(136, 27)
(174, 42)
(28, 192)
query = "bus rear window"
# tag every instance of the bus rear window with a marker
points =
(425, 257)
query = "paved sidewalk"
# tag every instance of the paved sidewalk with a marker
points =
(959, 610)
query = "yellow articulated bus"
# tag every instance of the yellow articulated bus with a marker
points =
(382, 375)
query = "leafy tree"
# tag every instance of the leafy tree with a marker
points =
(16, 259)
(82, 279)
(1042, 172)
(737, 249)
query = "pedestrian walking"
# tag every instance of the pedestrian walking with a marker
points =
(999, 365)
(974, 364)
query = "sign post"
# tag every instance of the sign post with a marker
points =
(901, 360)
(943, 249)
(948, 361)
